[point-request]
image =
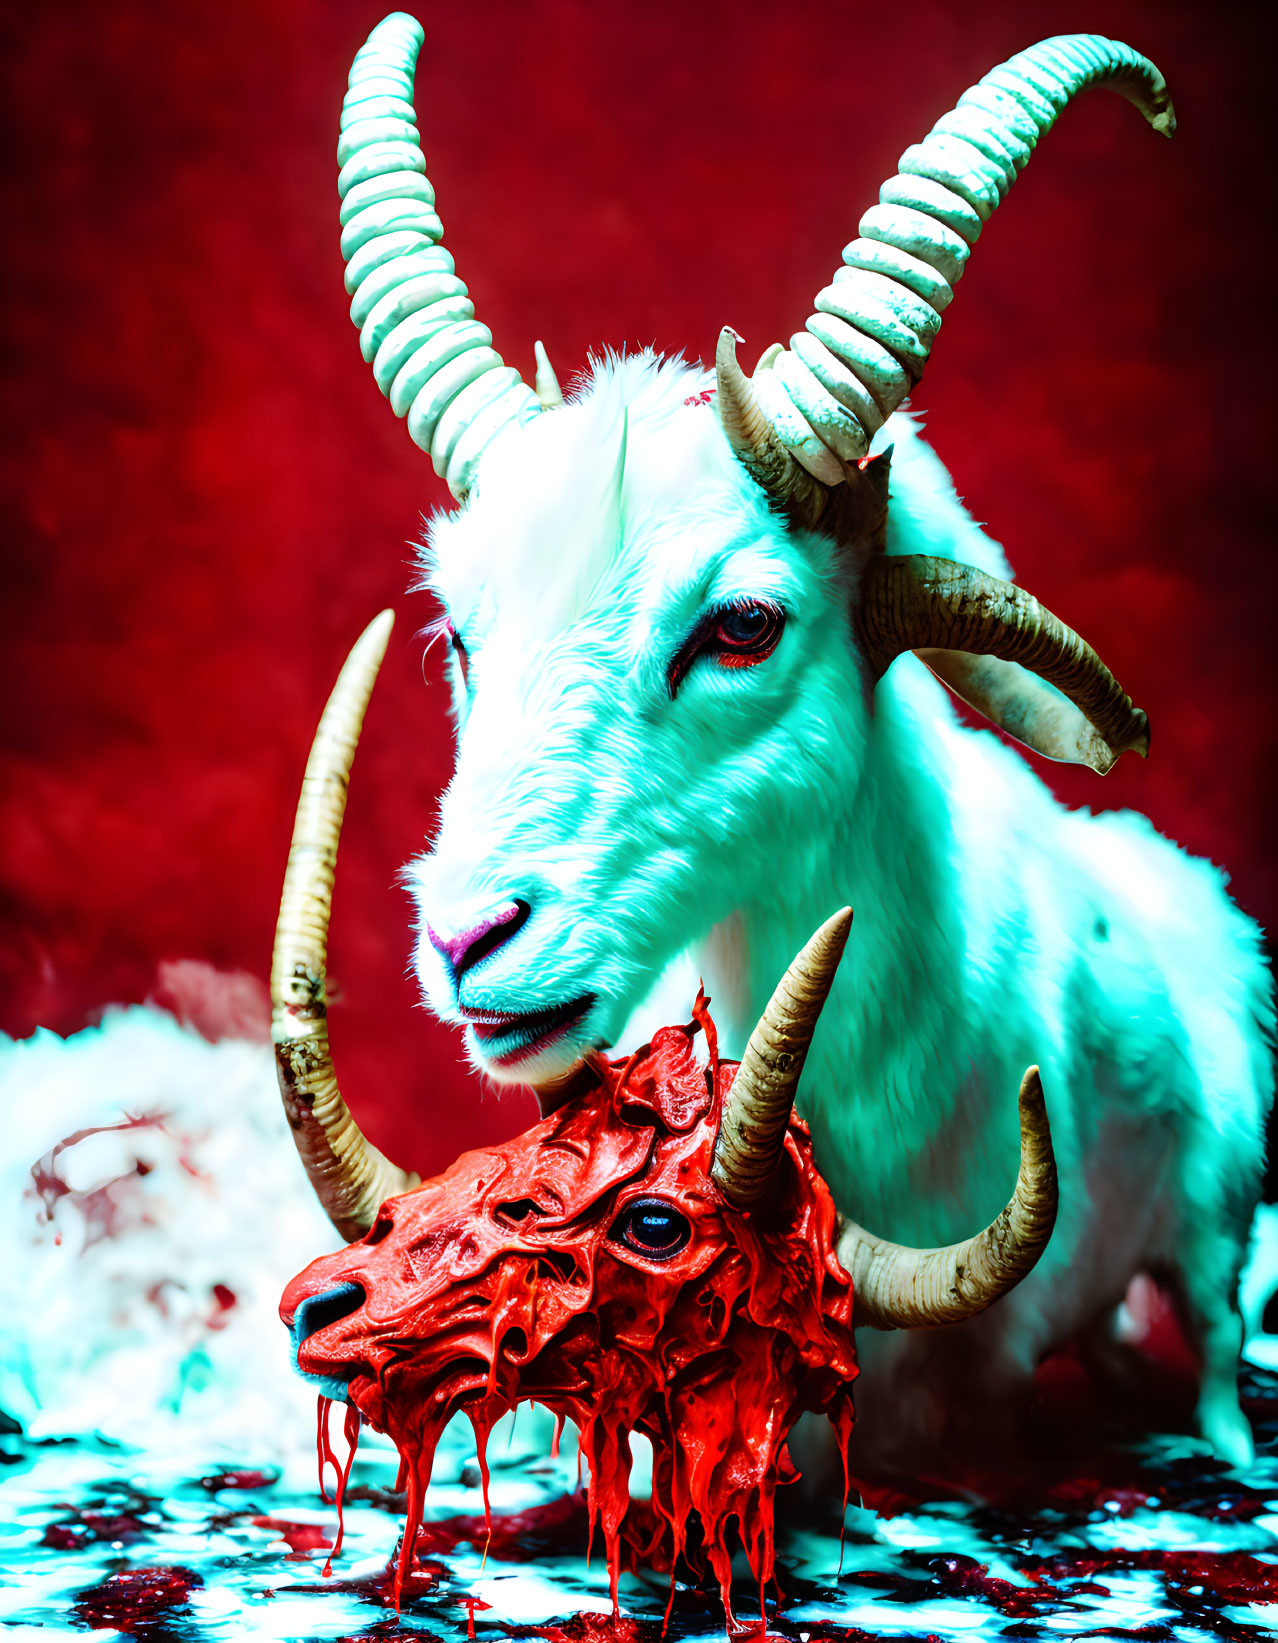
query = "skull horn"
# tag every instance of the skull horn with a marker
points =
(430, 356)
(968, 626)
(351, 1178)
(823, 399)
(901, 1288)
(757, 1110)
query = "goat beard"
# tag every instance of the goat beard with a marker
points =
(717, 1411)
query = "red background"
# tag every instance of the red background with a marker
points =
(209, 497)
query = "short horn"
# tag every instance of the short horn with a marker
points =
(901, 1288)
(753, 1124)
(430, 356)
(351, 1178)
(939, 608)
(865, 348)
(549, 393)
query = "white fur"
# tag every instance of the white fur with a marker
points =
(656, 839)
(123, 1333)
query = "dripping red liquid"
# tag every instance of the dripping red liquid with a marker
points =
(509, 1279)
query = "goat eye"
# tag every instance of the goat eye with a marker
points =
(459, 651)
(653, 1228)
(746, 633)
(742, 634)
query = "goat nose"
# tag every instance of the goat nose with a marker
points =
(326, 1308)
(461, 952)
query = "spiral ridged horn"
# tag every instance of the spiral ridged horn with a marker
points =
(430, 356)
(967, 625)
(815, 407)
(901, 1288)
(351, 1178)
(753, 1123)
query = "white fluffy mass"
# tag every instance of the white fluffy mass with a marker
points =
(153, 1208)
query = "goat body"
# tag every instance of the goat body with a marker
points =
(655, 806)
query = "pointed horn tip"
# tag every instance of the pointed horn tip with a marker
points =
(828, 942)
(381, 625)
(369, 649)
(725, 350)
(1036, 1128)
(547, 388)
(1106, 754)
(838, 924)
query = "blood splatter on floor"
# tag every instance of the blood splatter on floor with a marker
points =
(1150, 1540)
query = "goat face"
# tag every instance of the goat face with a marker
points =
(619, 789)
(652, 678)
(593, 1265)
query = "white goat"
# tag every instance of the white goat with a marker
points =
(673, 758)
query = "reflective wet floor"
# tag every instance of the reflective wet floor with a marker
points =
(1146, 1541)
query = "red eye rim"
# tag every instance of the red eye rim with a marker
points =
(713, 637)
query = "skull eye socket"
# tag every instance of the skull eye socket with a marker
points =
(652, 1228)
(520, 1210)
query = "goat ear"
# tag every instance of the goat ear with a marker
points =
(979, 635)
(1029, 709)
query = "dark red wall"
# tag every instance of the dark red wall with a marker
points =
(209, 497)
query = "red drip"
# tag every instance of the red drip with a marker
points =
(323, 1445)
(482, 1427)
(417, 1451)
(470, 1604)
(412, 1517)
(350, 1429)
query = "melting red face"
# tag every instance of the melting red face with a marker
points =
(593, 1266)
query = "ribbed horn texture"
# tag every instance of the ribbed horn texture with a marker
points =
(351, 1178)
(915, 602)
(901, 1288)
(757, 1110)
(866, 346)
(432, 359)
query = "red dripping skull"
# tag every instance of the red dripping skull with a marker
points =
(594, 1266)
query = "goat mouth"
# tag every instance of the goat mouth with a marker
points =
(505, 1039)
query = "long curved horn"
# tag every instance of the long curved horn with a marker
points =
(430, 356)
(753, 1123)
(350, 1176)
(901, 1288)
(812, 411)
(942, 609)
